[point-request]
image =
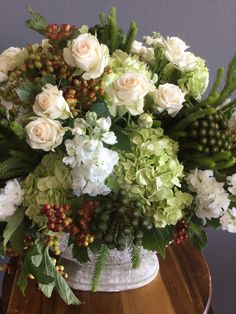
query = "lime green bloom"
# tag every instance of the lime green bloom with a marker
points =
(49, 183)
(195, 82)
(152, 174)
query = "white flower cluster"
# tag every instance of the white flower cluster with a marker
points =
(228, 220)
(211, 198)
(145, 53)
(90, 161)
(10, 198)
(175, 51)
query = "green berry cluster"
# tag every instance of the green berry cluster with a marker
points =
(118, 222)
(210, 134)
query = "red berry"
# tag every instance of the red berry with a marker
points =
(51, 226)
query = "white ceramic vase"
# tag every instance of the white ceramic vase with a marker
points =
(117, 275)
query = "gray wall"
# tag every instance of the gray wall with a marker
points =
(208, 26)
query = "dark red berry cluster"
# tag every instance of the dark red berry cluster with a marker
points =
(83, 93)
(57, 219)
(181, 232)
(80, 231)
(56, 32)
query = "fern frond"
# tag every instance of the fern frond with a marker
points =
(13, 167)
(99, 267)
(135, 255)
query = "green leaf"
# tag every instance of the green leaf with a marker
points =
(95, 247)
(158, 239)
(214, 223)
(80, 253)
(47, 79)
(101, 109)
(37, 22)
(29, 267)
(27, 92)
(17, 238)
(197, 235)
(12, 224)
(17, 129)
(123, 141)
(59, 282)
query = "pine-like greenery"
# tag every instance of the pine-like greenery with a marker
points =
(135, 255)
(99, 266)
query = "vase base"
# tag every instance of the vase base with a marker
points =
(115, 276)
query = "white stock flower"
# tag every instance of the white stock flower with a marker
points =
(91, 164)
(10, 198)
(169, 97)
(129, 91)
(231, 180)
(102, 131)
(50, 103)
(211, 198)
(228, 220)
(87, 54)
(7, 61)
(44, 133)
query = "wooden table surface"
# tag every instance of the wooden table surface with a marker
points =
(183, 286)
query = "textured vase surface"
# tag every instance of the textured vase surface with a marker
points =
(117, 275)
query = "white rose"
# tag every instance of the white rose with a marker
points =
(51, 103)
(45, 134)
(129, 91)
(169, 97)
(87, 54)
(7, 61)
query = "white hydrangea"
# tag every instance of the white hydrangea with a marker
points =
(90, 161)
(228, 220)
(232, 183)
(11, 197)
(211, 198)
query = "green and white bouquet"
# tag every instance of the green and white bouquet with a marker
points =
(108, 140)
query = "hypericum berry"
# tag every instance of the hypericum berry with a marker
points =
(181, 232)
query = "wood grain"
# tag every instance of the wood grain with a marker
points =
(183, 285)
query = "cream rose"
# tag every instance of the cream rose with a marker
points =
(169, 97)
(87, 54)
(7, 61)
(129, 91)
(50, 103)
(45, 134)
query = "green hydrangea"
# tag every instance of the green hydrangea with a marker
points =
(152, 174)
(195, 82)
(49, 183)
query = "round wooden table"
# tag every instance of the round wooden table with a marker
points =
(183, 285)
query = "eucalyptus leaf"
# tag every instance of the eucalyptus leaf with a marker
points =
(27, 92)
(101, 109)
(123, 141)
(12, 224)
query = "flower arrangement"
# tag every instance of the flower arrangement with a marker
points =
(108, 140)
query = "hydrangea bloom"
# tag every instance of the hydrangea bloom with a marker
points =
(50, 182)
(232, 183)
(10, 198)
(152, 173)
(211, 198)
(228, 220)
